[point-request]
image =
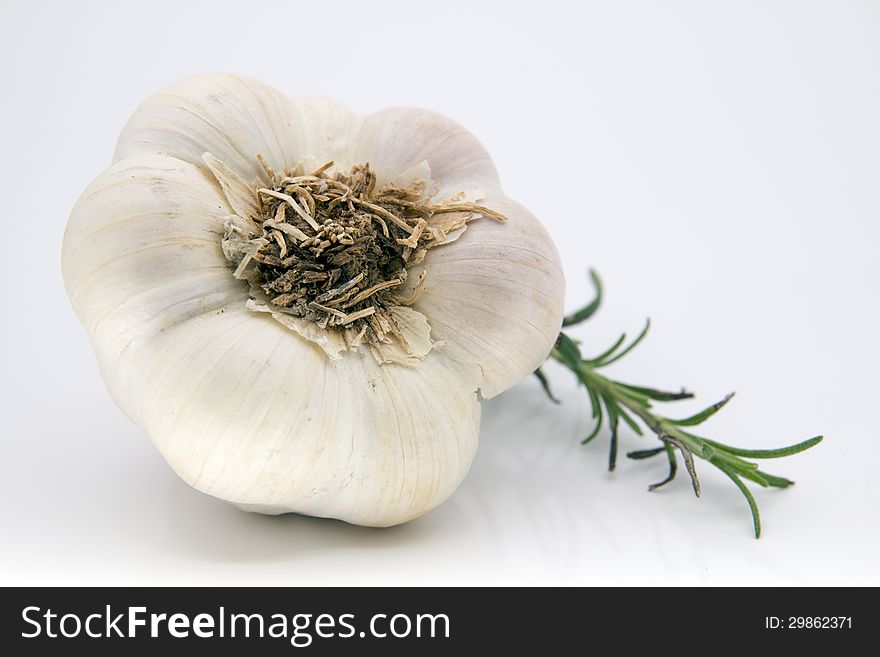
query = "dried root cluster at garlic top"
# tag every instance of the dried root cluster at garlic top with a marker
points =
(331, 248)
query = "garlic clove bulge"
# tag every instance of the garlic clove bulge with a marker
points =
(398, 139)
(244, 411)
(324, 130)
(235, 118)
(495, 296)
(141, 253)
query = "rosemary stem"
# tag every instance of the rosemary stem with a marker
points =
(604, 386)
(612, 401)
(628, 403)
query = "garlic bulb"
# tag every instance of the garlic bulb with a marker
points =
(303, 308)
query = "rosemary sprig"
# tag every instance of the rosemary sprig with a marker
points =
(613, 402)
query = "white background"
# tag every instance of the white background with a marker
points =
(721, 165)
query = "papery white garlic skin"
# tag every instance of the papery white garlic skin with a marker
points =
(239, 405)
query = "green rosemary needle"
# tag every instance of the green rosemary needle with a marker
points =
(613, 402)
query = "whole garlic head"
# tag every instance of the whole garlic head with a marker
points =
(296, 336)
